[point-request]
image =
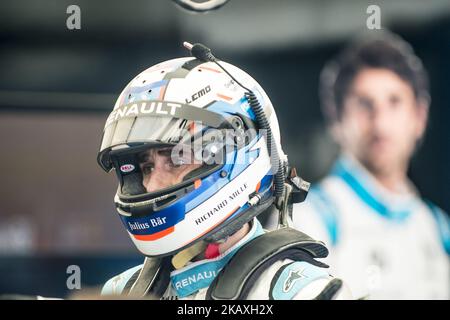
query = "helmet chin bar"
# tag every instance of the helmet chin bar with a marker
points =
(232, 226)
(149, 202)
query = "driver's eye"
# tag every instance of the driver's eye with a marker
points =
(166, 154)
(147, 168)
(176, 164)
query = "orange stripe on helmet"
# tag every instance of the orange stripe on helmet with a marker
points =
(162, 92)
(192, 128)
(210, 69)
(154, 236)
(224, 97)
(258, 186)
(197, 183)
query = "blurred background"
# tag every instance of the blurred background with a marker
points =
(57, 87)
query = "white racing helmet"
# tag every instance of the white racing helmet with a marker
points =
(195, 108)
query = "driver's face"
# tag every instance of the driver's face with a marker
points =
(159, 171)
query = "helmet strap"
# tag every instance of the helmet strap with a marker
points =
(183, 257)
(234, 225)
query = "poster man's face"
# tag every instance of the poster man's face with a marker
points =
(381, 120)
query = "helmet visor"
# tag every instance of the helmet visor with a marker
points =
(157, 169)
(154, 122)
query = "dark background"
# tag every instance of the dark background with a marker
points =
(57, 87)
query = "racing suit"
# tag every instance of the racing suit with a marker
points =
(285, 279)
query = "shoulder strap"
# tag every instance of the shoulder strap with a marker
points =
(236, 279)
(150, 280)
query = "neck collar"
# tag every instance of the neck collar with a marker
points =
(199, 274)
(389, 205)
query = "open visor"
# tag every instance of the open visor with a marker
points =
(154, 122)
(154, 169)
